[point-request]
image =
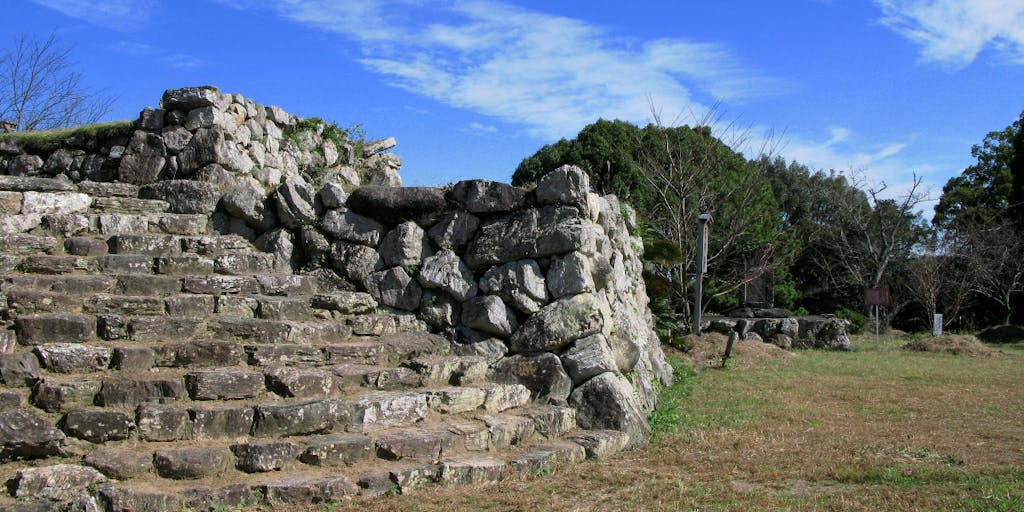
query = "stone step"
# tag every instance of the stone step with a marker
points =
(131, 275)
(310, 469)
(106, 224)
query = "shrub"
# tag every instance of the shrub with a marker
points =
(857, 319)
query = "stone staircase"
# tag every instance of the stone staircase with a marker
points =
(149, 362)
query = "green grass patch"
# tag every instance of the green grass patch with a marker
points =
(97, 130)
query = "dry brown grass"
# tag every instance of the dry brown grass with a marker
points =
(876, 429)
(956, 344)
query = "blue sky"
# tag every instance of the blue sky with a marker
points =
(886, 88)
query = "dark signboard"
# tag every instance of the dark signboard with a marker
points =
(876, 297)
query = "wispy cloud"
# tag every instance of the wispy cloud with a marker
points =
(115, 14)
(181, 61)
(552, 74)
(954, 32)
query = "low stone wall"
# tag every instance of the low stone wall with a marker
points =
(200, 133)
(820, 332)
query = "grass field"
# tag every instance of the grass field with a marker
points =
(878, 428)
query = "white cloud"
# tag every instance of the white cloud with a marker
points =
(552, 74)
(116, 14)
(954, 32)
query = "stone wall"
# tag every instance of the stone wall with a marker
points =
(806, 332)
(545, 283)
(200, 133)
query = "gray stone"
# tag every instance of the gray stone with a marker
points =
(455, 400)
(530, 234)
(469, 470)
(204, 148)
(54, 203)
(395, 288)
(552, 421)
(294, 199)
(316, 417)
(455, 230)
(314, 245)
(559, 324)
(501, 397)
(50, 328)
(158, 422)
(491, 349)
(326, 489)
(184, 196)
(263, 456)
(588, 357)
(542, 458)
(608, 401)
(248, 202)
(542, 374)
(61, 482)
(133, 358)
(19, 369)
(221, 422)
(508, 430)
(567, 185)
(446, 271)
(120, 464)
(483, 196)
(224, 384)
(355, 262)
(780, 340)
(395, 205)
(337, 450)
(378, 146)
(519, 283)
(346, 303)
(332, 195)
(176, 138)
(25, 165)
(570, 275)
(26, 183)
(352, 227)
(53, 394)
(279, 243)
(125, 499)
(188, 98)
(191, 463)
(489, 314)
(300, 382)
(130, 392)
(97, 425)
(143, 159)
(438, 309)
(406, 245)
(381, 410)
(23, 434)
(418, 444)
(199, 353)
(73, 358)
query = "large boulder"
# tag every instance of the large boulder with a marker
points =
(446, 271)
(559, 324)
(567, 185)
(608, 401)
(395, 205)
(530, 234)
(295, 203)
(542, 374)
(519, 283)
(143, 160)
(484, 196)
(405, 245)
(248, 201)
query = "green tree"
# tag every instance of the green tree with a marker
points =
(989, 187)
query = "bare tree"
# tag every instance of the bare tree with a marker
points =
(993, 250)
(938, 279)
(40, 89)
(694, 173)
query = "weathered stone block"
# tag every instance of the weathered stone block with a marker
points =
(445, 270)
(221, 422)
(558, 324)
(55, 328)
(352, 227)
(490, 315)
(316, 417)
(263, 456)
(337, 450)
(542, 374)
(23, 434)
(72, 358)
(130, 392)
(519, 283)
(97, 425)
(224, 384)
(61, 482)
(120, 464)
(158, 422)
(191, 463)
